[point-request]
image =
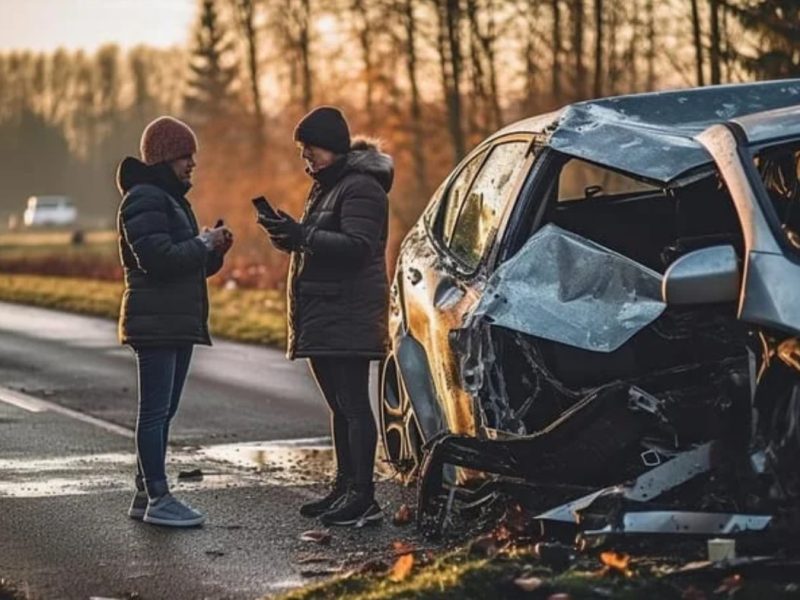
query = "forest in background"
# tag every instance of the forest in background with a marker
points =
(429, 78)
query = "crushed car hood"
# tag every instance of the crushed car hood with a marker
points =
(568, 289)
(652, 135)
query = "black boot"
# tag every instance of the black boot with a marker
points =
(356, 510)
(338, 491)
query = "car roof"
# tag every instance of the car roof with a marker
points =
(653, 135)
(771, 125)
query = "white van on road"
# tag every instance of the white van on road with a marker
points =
(49, 210)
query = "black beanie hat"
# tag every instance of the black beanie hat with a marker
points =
(324, 127)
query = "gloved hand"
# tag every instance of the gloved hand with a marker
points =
(284, 231)
(219, 238)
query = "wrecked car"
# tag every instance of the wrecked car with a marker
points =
(604, 302)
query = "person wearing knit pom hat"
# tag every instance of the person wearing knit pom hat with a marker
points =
(164, 310)
(338, 297)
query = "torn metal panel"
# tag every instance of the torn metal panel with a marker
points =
(568, 289)
(651, 135)
(649, 485)
(683, 523)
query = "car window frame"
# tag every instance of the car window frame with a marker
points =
(469, 271)
(540, 191)
(435, 223)
(747, 154)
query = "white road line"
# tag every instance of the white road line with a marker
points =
(37, 405)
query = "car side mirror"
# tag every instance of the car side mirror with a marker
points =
(704, 276)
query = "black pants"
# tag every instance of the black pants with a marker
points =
(344, 382)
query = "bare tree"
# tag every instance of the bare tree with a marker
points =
(597, 90)
(291, 20)
(651, 44)
(556, 44)
(245, 14)
(577, 48)
(714, 53)
(364, 33)
(698, 42)
(409, 20)
(448, 42)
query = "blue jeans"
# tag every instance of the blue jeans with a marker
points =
(162, 373)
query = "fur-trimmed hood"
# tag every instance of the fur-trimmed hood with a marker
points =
(365, 156)
(130, 172)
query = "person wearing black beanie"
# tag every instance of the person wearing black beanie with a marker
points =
(338, 297)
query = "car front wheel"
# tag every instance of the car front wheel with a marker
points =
(400, 433)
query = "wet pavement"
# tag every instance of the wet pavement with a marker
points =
(65, 480)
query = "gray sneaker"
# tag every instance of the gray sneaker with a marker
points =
(169, 511)
(138, 505)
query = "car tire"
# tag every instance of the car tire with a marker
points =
(400, 432)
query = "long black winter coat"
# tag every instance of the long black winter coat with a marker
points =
(338, 288)
(165, 300)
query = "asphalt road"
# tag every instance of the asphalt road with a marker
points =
(250, 421)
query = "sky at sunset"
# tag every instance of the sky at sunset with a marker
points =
(73, 24)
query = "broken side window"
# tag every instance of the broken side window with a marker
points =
(779, 167)
(451, 206)
(580, 180)
(484, 203)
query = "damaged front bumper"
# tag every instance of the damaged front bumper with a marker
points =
(661, 400)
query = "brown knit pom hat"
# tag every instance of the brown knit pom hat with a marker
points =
(166, 139)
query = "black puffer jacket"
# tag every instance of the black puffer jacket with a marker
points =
(338, 290)
(165, 299)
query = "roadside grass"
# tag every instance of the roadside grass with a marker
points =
(253, 316)
(459, 576)
(53, 253)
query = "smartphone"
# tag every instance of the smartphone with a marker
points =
(263, 207)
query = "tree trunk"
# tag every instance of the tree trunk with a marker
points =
(245, 13)
(304, 46)
(598, 49)
(410, 22)
(698, 43)
(651, 45)
(450, 61)
(633, 48)
(613, 57)
(716, 77)
(365, 41)
(577, 49)
(556, 50)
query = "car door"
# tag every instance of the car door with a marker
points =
(443, 263)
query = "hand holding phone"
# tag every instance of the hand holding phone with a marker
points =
(264, 208)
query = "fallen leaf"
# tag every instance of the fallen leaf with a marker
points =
(318, 536)
(528, 584)
(215, 553)
(402, 568)
(617, 562)
(403, 516)
(400, 547)
(730, 585)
